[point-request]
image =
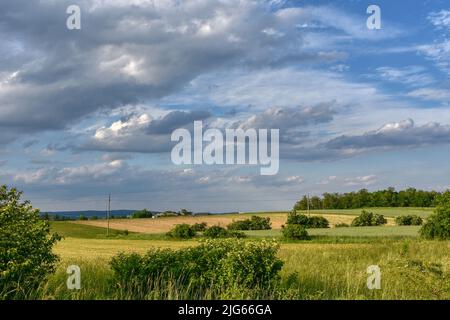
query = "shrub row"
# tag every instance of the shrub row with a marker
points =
(307, 222)
(185, 231)
(254, 223)
(367, 219)
(409, 220)
(225, 264)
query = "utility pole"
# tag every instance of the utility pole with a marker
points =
(307, 203)
(108, 214)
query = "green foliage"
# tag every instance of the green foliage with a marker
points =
(254, 223)
(82, 217)
(222, 264)
(215, 232)
(141, 214)
(437, 225)
(317, 222)
(368, 219)
(341, 225)
(182, 231)
(294, 218)
(364, 199)
(295, 232)
(307, 222)
(184, 212)
(409, 220)
(199, 227)
(26, 257)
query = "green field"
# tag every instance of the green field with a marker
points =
(387, 212)
(332, 265)
(392, 231)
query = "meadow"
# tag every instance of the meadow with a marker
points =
(331, 265)
(164, 224)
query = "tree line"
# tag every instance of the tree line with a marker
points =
(410, 197)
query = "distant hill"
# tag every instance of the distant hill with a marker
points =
(101, 214)
(90, 213)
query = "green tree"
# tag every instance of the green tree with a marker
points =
(437, 225)
(26, 256)
(182, 231)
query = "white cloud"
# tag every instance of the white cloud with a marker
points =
(411, 75)
(361, 180)
(441, 19)
(438, 52)
(431, 94)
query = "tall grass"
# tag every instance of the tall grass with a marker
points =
(411, 269)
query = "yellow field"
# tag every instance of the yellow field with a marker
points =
(164, 224)
(104, 249)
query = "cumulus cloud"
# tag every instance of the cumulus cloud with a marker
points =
(288, 118)
(142, 132)
(394, 135)
(128, 54)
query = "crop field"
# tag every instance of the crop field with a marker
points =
(331, 265)
(411, 268)
(164, 224)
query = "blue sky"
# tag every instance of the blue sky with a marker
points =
(87, 112)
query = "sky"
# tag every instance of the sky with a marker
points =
(88, 112)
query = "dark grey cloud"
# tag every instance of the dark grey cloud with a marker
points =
(126, 54)
(176, 119)
(290, 121)
(403, 134)
(393, 135)
(141, 133)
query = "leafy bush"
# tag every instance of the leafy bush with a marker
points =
(199, 227)
(26, 256)
(295, 232)
(367, 218)
(437, 225)
(294, 218)
(222, 264)
(182, 231)
(215, 232)
(341, 225)
(82, 217)
(141, 214)
(307, 222)
(254, 223)
(317, 222)
(184, 212)
(409, 220)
